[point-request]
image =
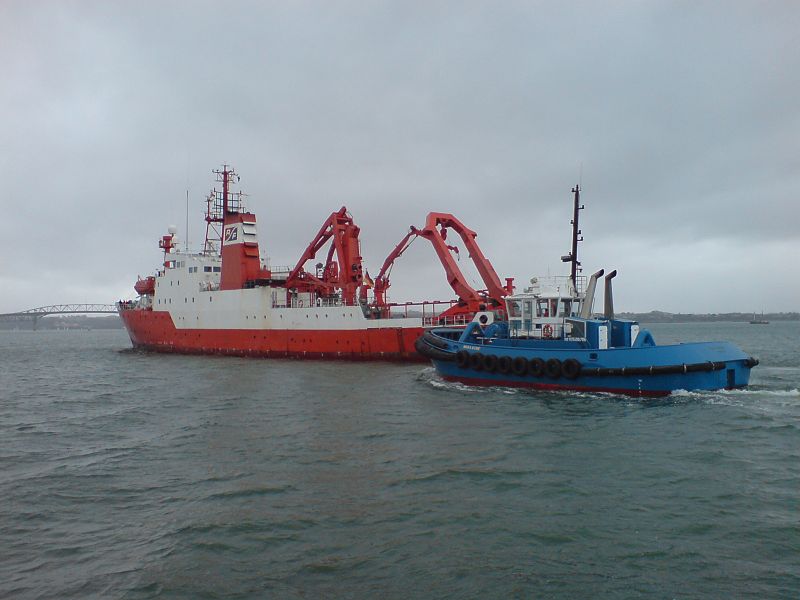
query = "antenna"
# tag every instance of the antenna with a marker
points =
(187, 220)
(572, 257)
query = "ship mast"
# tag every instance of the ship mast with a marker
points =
(572, 257)
(219, 204)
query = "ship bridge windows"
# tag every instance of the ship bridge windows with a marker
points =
(206, 269)
(556, 307)
(527, 312)
(546, 307)
(217, 269)
(514, 308)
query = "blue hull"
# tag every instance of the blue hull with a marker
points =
(562, 365)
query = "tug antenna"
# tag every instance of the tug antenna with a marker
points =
(572, 257)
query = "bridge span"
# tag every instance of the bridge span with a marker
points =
(35, 314)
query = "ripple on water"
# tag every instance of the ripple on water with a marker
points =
(126, 474)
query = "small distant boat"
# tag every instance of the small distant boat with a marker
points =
(761, 321)
(549, 339)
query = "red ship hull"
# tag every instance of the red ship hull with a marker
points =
(156, 331)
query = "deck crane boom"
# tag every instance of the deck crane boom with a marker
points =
(342, 269)
(435, 231)
(382, 280)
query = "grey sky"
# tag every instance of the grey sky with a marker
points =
(682, 119)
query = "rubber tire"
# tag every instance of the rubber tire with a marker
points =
(476, 362)
(504, 365)
(519, 366)
(552, 368)
(536, 367)
(571, 368)
(489, 363)
(462, 359)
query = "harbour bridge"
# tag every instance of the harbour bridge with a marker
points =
(35, 314)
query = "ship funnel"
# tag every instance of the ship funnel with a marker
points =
(609, 299)
(588, 297)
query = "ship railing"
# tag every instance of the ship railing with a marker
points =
(280, 272)
(430, 311)
(318, 303)
(560, 283)
(536, 333)
(313, 303)
(447, 321)
(563, 330)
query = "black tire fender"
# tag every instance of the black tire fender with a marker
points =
(476, 361)
(571, 368)
(552, 368)
(519, 366)
(489, 363)
(462, 359)
(536, 367)
(504, 365)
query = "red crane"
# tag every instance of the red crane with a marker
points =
(435, 230)
(342, 268)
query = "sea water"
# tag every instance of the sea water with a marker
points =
(136, 475)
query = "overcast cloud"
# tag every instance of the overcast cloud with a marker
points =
(681, 120)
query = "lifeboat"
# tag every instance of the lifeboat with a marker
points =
(145, 286)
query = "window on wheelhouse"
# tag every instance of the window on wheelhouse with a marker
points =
(527, 314)
(514, 313)
(546, 307)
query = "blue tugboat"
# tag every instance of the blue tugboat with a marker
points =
(547, 338)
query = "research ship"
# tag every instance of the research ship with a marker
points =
(228, 298)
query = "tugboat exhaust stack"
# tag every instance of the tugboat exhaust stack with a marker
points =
(588, 297)
(608, 304)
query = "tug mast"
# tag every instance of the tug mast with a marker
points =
(572, 257)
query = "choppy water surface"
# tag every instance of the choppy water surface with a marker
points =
(129, 475)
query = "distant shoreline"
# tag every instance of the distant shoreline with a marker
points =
(83, 322)
(665, 317)
(76, 322)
